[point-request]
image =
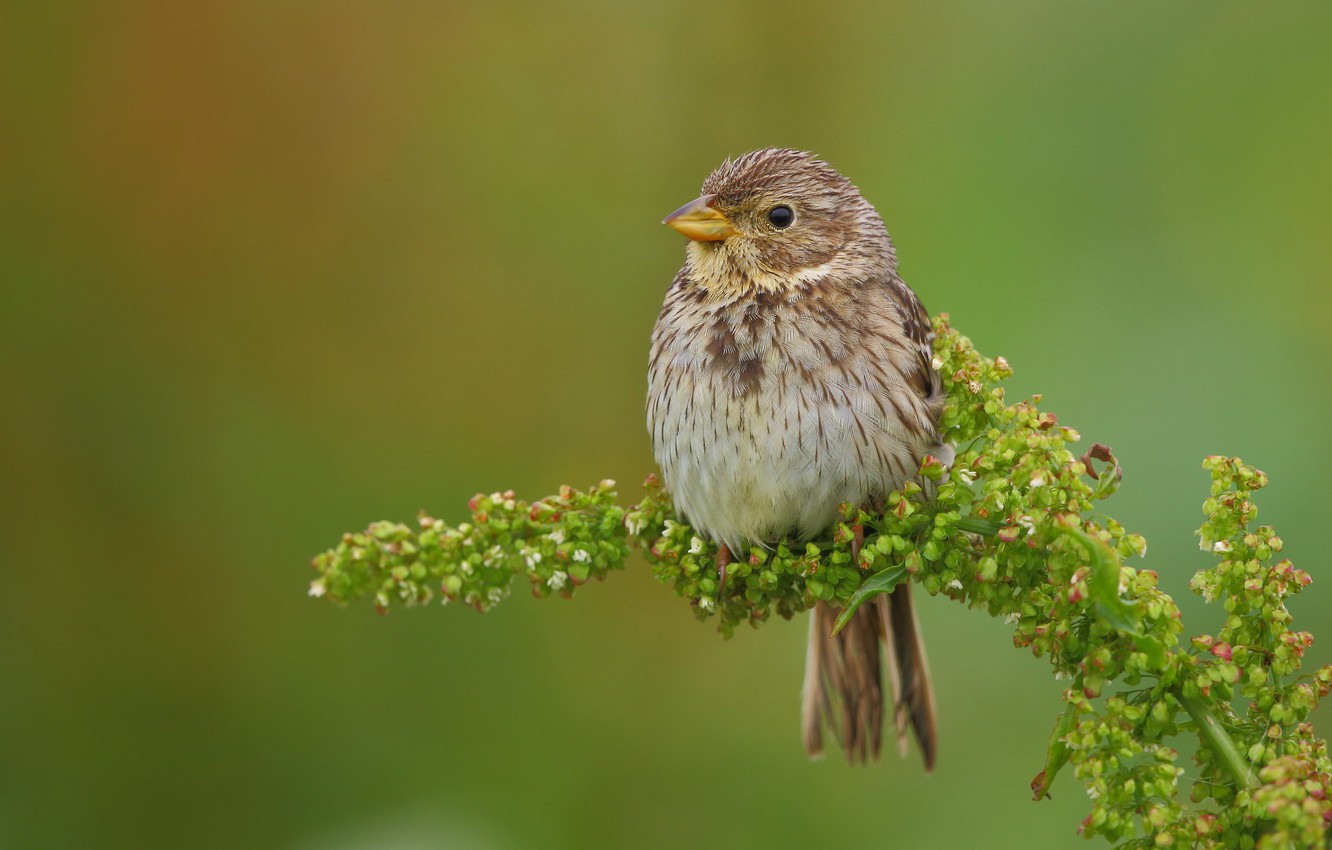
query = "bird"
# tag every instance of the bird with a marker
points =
(790, 372)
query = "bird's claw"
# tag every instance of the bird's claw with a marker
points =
(723, 561)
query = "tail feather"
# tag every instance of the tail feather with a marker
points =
(844, 679)
(913, 692)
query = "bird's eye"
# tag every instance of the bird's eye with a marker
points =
(781, 217)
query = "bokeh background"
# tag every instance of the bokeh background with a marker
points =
(272, 270)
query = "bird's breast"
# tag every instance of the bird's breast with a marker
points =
(766, 415)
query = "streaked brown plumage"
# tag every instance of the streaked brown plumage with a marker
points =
(791, 372)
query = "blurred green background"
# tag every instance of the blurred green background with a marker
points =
(273, 270)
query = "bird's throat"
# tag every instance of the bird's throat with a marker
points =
(732, 268)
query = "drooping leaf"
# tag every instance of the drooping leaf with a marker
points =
(1056, 754)
(881, 582)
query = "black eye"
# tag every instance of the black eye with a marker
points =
(781, 217)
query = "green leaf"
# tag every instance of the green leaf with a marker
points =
(1103, 584)
(881, 582)
(1056, 755)
(976, 525)
(1152, 648)
(1106, 485)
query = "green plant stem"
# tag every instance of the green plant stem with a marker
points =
(1211, 729)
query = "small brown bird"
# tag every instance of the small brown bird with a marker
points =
(791, 372)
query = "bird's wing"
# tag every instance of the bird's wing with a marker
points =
(924, 378)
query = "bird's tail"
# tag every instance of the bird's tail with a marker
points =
(844, 679)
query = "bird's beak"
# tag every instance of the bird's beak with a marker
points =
(700, 221)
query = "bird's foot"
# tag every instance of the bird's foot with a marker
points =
(723, 561)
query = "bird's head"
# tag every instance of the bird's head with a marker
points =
(778, 219)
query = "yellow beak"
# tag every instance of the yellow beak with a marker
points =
(700, 221)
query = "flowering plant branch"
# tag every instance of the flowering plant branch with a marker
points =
(1011, 527)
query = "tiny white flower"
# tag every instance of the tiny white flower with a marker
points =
(1221, 546)
(669, 529)
(1012, 618)
(1027, 523)
(936, 362)
(696, 546)
(968, 476)
(557, 580)
(317, 588)
(557, 536)
(707, 603)
(954, 585)
(1060, 675)
(494, 595)
(1038, 480)
(581, 556)
(634, 524)
(1093, 792)
(532, 557)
